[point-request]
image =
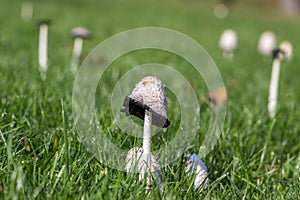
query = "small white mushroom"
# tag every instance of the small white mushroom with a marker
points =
(26, 10)
(78, 33)
(283, 52)
(287, 49)
(228, 43)
(266, 43)
(148, 102)
(221, 10)
(43, 43)
(195, 166)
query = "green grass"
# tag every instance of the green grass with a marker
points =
(42, 156)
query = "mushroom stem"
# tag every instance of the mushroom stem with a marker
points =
(77, 47)
(43, 47)
(274, 87)
(147, 133)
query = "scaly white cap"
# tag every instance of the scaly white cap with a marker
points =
(81, 32)
(148, 94)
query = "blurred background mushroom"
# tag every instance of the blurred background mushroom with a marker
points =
(221, 11)
(266, 43)
(43, 43)
(228, 43)
(78, 34)
(283, 52)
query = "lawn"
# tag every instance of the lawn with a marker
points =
(42, 155)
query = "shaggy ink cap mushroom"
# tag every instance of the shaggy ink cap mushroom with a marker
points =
(81, 32)
(149, 94)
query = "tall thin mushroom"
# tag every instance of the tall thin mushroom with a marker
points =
(43, 43)
(283, 52)
(79, 34)
(148, 102)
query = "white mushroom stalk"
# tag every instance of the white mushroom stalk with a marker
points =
(274, 87)
(147, 132)
(79, 34)
(26, 10)
(283, 52)
(228, 43)
(195, 166)
(148, 102)
(43, 46)
(266, 43)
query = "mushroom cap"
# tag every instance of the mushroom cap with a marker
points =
(149, 94)
(218, 96)
(221, 10)
(266, 43)
(44, 21)
(284, 51)
(194, 165)
(80, 32)
(287, 49)
(228, 40)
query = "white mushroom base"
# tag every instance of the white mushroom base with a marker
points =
(194, 165)
(146, 165)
